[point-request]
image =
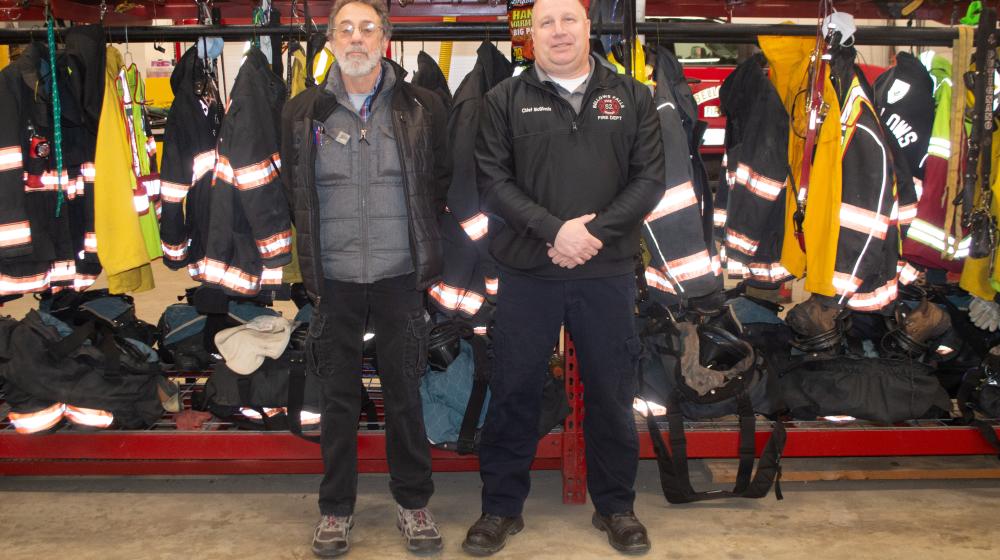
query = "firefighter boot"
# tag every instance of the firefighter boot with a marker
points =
(813, 317)
(816, 323)
(489, 534)
(925, 322)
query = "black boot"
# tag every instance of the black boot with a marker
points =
(488, 534)
(625, 532)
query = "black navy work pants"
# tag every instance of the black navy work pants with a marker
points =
(394, 310)
(599, 314)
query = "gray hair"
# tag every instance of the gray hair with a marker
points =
(381, 8)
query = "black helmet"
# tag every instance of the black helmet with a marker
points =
(711, 359)
(443, 345)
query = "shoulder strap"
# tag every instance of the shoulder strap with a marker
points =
(243, 385)
(674, 476)
(296, 395)
(480, 385)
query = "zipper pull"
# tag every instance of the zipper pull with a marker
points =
(363, 137)
(574, 126)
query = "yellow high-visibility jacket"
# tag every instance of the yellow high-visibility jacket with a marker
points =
(122, 248)
(788, 58)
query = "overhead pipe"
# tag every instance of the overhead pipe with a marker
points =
(478, 31)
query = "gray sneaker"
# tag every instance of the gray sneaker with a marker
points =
(332, 536)
(419, 530)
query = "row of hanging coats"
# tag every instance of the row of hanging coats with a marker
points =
(225, 217)
(885, 199)
(680, 261)
(90, 175)
(215, 207)
(48, 220)
(84, 193)
(871, 160)
(222, 214)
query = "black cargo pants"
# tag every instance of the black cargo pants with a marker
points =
(599, 313)
(394, 310)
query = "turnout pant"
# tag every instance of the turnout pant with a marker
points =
(394, 310)
(598, 312)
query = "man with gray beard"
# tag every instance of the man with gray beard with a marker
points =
(366, 173)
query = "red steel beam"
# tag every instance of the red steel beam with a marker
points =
(212, 467)
(207, 446)
(574, 464)
(186, 453)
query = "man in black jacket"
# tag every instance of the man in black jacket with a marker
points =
(366, 173)
(570, 157)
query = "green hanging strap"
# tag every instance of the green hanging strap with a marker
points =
(257, 18)
(56, 109)
(972, 14)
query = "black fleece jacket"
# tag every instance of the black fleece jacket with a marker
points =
(540, 164)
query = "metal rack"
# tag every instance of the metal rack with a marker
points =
(479, 31)
(219, 448)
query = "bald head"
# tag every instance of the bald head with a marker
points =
(560, 34)
(539, 2)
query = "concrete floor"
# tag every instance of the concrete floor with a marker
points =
(271, 517)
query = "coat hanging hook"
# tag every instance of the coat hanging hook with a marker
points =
(294, 13)
(156, 45)
(127, 59)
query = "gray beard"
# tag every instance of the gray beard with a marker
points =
(358, 68)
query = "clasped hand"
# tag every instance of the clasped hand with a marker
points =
(574, 245)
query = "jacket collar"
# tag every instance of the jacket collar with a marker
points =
(496, 67)
(603, 76)
(29, 65)
(393, 76)
(491, 68)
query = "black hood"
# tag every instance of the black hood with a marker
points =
(188, 68)
(258, 71)
(496, 67)
(32, 65)
(491, 68)
(842, 71)
(85, 44)
(738, 91)
(430, 76)
(669, 74)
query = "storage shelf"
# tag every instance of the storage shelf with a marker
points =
(220, 448)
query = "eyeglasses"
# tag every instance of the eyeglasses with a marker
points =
(367, 29)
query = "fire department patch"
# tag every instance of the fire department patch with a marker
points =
(608, 107)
